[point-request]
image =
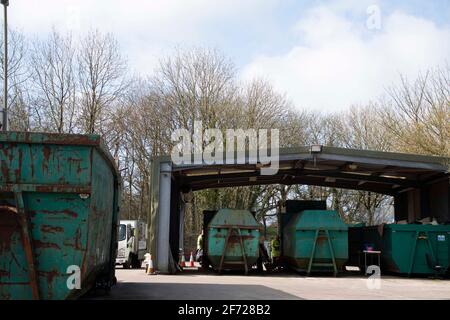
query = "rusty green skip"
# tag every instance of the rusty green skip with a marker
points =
(233, 240)
(58, 214)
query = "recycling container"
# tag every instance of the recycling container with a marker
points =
(58, 215)
(316, 240)
(412, 249)
(233, 240)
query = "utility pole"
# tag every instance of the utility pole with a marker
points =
(5, 4)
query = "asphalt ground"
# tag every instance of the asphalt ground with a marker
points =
(193, 284)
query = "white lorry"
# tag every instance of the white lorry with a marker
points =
(131, 243)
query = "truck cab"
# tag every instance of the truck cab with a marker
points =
(131, 243)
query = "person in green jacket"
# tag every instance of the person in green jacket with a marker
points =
(275, 250)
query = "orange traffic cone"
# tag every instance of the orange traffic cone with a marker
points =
(183, 261)
(191, 261)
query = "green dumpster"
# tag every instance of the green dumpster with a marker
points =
(58, 215)
(233, 240)
(316, 240)
(412, 248)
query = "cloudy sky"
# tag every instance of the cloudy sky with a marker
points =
(325, 55)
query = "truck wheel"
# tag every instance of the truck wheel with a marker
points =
(127, 264)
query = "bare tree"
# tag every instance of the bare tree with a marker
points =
(263, 107)
(101, 77)
(54, 83)
(417, 113)
(20, 114)
(362, 129)
(17, 75)
(17, 47)
(196, 84)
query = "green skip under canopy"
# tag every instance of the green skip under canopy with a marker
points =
(233, 240)
(412, 248)
(316, 240)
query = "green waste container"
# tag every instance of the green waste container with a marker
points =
(58, 215)
(412, 248)
(233, 240)
(291, 209)
(316, 240)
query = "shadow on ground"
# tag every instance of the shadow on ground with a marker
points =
(191, 291)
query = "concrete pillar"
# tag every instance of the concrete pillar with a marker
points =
(163, 243)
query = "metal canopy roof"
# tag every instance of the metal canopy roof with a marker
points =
(381, 172)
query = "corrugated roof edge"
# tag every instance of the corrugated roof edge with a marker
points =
(387, 154)
(443, 161)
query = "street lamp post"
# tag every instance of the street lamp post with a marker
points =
(5, 4)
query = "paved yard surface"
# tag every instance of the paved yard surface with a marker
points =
(135, 284)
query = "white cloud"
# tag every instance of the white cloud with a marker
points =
(144, 28)
(334, 62)
(339, 62)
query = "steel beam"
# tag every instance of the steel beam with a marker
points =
(163, 244)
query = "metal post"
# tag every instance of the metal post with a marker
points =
(5, 65)
(163, 240)
(181, 229)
